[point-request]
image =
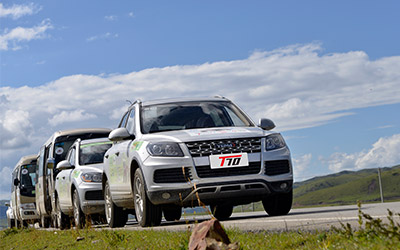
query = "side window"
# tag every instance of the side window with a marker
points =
(123, 120)
(46, 156)
(72, 156)
(41, 161)
(131, 122)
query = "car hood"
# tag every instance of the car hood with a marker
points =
(205, 134)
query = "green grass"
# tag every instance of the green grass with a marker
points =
(347, 187)
(371, 234)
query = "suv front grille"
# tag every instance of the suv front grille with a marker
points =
(242, 145)
(277, 167)
(207, 172)
(172, 175)
(94, 195)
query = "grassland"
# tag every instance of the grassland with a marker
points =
(348, 187)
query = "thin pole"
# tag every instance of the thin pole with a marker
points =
(380, 183)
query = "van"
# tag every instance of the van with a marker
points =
(23, 191)
(51, 153)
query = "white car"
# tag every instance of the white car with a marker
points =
(78, 185)
(169, 154)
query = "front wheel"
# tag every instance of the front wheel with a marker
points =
(147, 214)
(62, 219)
(115, 216)
(79, 217)
(278, 204)
(222, 212)
(173, 213)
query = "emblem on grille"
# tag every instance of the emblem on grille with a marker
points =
(226, 145)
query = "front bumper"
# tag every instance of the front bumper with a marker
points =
(91, 198)
(268, 173)
(28, 214)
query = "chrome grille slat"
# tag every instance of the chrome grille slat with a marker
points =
(241, 145)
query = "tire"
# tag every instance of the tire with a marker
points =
(115, 216)
(172, 213)
(10, 223)
(79, 216)
(222, 212)
(278, 204)
(44, 221)
(147, 214)
(62, 220)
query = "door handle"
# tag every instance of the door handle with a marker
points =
(106, 156)
(117, 154)
(63, 177)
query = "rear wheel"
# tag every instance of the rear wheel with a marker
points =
(147, 214)
(115, 216)
(278, 204)
(79, 217)
(222, 212)
(172, 213)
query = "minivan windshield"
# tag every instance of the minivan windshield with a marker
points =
(28, 180)
(189, 115)
(93, 153)
(28, 176)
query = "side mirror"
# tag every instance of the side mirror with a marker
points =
(16, 182)
(266, 124)
(50, 163)
(120, 134)
(63, 165)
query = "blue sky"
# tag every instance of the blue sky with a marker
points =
(327, 72)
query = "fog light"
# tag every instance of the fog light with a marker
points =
(166, 196)
(283, 185)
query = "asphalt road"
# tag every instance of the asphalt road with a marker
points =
(321, 218)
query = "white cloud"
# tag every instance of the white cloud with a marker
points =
(110, 18)
(131, 14)
(294, 86)
(11, 39)
(15, 129)
(70, 116)
(107, 35)
(5, 183)
(16, 11)
(383, 153)
(300, 165)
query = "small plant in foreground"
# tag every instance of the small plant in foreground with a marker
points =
(371, 228)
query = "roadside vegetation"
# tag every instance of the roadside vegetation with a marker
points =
(371, 234)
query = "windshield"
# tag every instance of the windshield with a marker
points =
(28, 180)
(93, 153)
(178, 116)
(28, 176)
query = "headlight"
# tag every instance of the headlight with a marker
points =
(91, 177)
(27, 206)
(164, 149)
(274, 141)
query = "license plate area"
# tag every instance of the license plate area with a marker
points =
(229, 160)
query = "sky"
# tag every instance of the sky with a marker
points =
(326, 72)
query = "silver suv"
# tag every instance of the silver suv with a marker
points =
(170, 154)
(78, 189)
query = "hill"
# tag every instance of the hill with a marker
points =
(347, 187)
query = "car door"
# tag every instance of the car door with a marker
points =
(118, 174)
(64, 181)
